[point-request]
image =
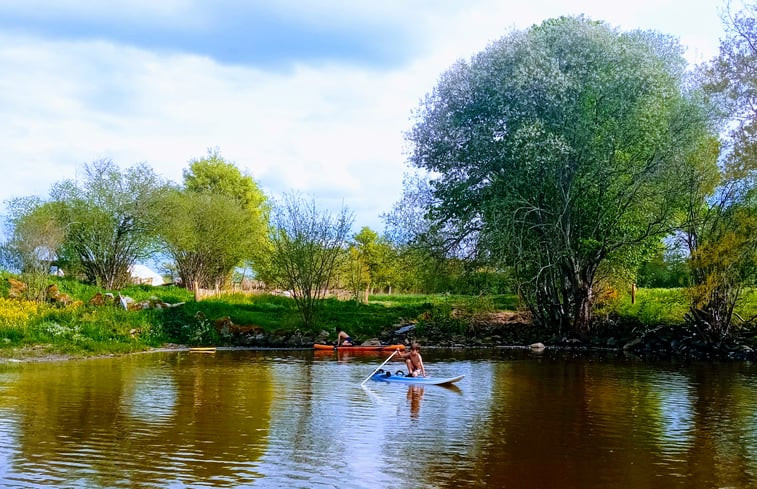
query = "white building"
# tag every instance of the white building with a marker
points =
(141, 274)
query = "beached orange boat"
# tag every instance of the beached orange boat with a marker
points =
(322, 347)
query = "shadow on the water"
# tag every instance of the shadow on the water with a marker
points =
(452, 388)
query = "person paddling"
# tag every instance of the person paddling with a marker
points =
(413, 361)
(342, 338)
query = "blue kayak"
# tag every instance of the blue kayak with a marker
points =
(382, 376)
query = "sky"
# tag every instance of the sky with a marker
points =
(310, 96)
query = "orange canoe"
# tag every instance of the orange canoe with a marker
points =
(320, 346)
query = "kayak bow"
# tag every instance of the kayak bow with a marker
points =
(320, 346)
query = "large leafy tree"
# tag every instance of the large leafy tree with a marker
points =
(557, 150)
(110, 219)
(216, 222)
(206, 235)
(215, 175)
(307, 244)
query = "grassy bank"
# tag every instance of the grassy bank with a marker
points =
(80, 328)
(666, 307)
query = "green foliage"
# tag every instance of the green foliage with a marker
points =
(170, 294)
(201, 331)
(746, 309)
(664, 270)
(218, 221)
(110, 219)
(439, 318)
(15, 316)
(419, 269)
(721, 224)
(207, 235)
(87, 329)
(214, 175)
(353, 274)
(75, 288)
(371, 263)
(4, 283)
(266, 311)
(731, 78)
(723, 263)
(81, 328)
(555, 151)
(35, 238)
(362, 320)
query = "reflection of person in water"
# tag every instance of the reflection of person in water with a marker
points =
(414, 395)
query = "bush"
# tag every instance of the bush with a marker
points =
(14, 313)
(15, 316)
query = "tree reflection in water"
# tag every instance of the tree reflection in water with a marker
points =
(135, 421)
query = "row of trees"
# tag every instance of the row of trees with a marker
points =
(215, 222)
(97, 227)
(570, 151)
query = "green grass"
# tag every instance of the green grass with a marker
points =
(652, 307)
(266, 311)
(669, 306)
(470, 304)
(89, 329)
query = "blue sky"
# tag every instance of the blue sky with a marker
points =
(312, 96)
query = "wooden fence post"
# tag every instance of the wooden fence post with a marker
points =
(633, 293)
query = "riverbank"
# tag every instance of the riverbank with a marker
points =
(504, 330)
(91, 322)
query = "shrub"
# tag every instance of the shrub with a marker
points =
(15, 313)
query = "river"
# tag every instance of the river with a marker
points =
(296, 419)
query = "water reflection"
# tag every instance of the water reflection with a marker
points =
(723, 440)
(676, 412)
(152, 397)
(569, 423)
(299, 419)
(111, 423)
(414, 396)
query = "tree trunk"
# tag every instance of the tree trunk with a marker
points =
(583, 297)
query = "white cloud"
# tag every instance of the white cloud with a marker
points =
(332, 129)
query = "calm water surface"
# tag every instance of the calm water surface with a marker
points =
(300, 419)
